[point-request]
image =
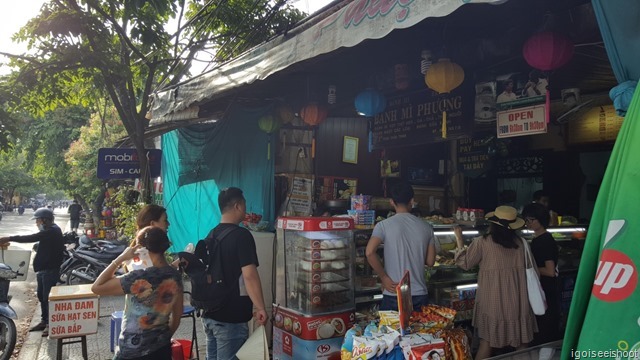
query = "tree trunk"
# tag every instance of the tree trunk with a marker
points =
(144, 169)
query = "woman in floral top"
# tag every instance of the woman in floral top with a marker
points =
(153, 303)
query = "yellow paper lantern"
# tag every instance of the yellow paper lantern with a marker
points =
(443, 77)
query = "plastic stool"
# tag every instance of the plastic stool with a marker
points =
(190, 311)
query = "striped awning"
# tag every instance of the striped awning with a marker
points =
(346, 24)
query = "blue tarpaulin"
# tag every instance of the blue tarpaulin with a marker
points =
(199, 160)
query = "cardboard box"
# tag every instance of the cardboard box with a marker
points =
(331, 188)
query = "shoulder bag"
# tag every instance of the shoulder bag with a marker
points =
(537, 299)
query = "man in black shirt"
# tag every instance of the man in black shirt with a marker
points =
(47, 262)
(74, 214)
(227, 328)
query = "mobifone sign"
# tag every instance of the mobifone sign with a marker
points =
(125, 164)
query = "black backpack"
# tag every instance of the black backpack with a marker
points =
(209, 289)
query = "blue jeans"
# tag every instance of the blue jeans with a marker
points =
(391, 302)
(46, 280)
(224, 339)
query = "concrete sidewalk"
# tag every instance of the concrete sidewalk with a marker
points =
(98, 345)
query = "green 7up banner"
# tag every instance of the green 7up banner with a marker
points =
(604, 319)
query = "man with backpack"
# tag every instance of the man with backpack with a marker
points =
(234, 248)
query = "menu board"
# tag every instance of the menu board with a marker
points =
(599, 124)
(416, 118)
(473, 156)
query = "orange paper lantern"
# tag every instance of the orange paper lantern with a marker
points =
(313, 114)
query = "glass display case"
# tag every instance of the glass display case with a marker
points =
(315, 258)
(314, 280)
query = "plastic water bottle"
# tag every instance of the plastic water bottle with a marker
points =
(370, 329)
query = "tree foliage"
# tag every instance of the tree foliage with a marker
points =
(13, 177)
(83, 51)
(102, 130)
(47, 140)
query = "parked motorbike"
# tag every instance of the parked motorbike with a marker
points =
(8, 334)
(89, 260)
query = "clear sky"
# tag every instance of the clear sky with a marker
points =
(13, 16)
(16, 13)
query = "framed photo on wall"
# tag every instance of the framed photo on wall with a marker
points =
(350, 150)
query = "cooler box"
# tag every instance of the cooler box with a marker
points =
(116, 324)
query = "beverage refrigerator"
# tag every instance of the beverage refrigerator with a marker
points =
(314, 298)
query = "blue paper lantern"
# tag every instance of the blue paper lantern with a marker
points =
(370, 102)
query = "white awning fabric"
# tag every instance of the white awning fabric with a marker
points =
(353, 23)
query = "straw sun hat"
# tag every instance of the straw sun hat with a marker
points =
(505, 216)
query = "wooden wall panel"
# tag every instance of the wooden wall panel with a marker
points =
(329, 140)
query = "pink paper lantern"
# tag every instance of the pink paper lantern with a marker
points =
(547, 50)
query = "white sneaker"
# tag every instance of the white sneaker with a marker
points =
(546, 353)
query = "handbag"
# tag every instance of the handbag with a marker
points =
(537, 299)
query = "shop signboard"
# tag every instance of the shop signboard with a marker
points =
(416, 117)
(599, 124)
(521, 121)
(473, 156)
(124, 163)
(73, 311)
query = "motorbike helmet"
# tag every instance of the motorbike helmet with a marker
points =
(42, 213)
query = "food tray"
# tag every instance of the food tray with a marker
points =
(326, 300)
(315, 265)
(323, 288)
(334, 244)
(323, 276)
(323, 255)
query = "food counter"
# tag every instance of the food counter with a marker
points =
(453, 287)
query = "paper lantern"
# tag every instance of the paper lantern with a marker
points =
(443, 77)
(313, 114)
(547, 50)
(285, 114)
(268, 124)
(370, 102)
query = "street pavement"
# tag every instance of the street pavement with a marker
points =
(31, 345)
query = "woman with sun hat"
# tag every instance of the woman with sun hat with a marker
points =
(502, 313)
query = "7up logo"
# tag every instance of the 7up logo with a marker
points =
(616, 278)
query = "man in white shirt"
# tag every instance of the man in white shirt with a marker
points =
(507, 94)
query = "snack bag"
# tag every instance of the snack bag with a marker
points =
(458, 344)
(347, 343)
(364, 348)
(422, 347)
(390, 318)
